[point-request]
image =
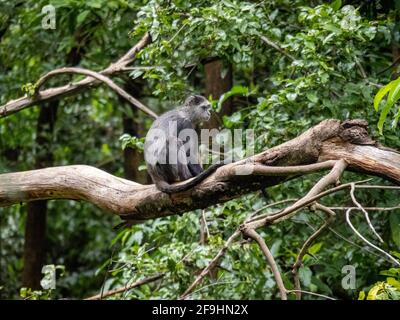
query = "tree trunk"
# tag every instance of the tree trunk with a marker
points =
(132, 157)
(215, 86)
(35, 228)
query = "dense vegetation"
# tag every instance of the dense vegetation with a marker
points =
(288, 64)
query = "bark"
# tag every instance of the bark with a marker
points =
(132, 157)
(329, 140)
(216, 85)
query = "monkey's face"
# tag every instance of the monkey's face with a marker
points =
(204, 112)
(200, 108)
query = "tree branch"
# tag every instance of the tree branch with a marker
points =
(368, 242)
(99, 77)
(14, 106)
(251, 233)
(299, 260)
(126, 288)
(210, 266)
(134, 201)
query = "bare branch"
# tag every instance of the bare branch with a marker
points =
(368, 242)
(14, 106)
(311, 293)
(366, 208)
(371, 186)
(316, 191)
(126, 288)
(353, 198)
(276, 47)
(254, 214)
(295, 269)
(339, 235)
(210, 266)
(270, 258)
(295, 170)
(99, 77)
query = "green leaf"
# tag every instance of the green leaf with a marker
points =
(236, 90)
(393, 282)
(95, 4)
(305, 276)
(82, 17)
(381, 93)
(23, 292)
(136, 73)
(393, 88)
(275, 247)
(312, 97)
(361, 295)
(315, 248)
(394, 93)
(385, 110)
(336, 5)
(291, 96)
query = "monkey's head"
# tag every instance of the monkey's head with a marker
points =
(198, 107)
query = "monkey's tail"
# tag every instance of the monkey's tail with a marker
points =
(172, 188)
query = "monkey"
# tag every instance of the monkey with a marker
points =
(171, 151)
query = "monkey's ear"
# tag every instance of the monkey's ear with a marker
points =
(193, 100)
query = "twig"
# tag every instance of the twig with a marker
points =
(389, 67)
(371, 186)
(204, 233)
(295, 269)
(99, 77)
(366, 208)
(211, 265)
(311, 293)
(339, 235)
(253, 214)
(366, 241)
(268, 255)
(353, 198)
(276, 47)
(126, 288)
(360, 67)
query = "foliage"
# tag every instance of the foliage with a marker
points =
(385, 290)
(392, 90)
(132, 142)
(294, 64)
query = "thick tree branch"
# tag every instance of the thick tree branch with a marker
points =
(134, 201)
(326, 181)
(14, 106)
